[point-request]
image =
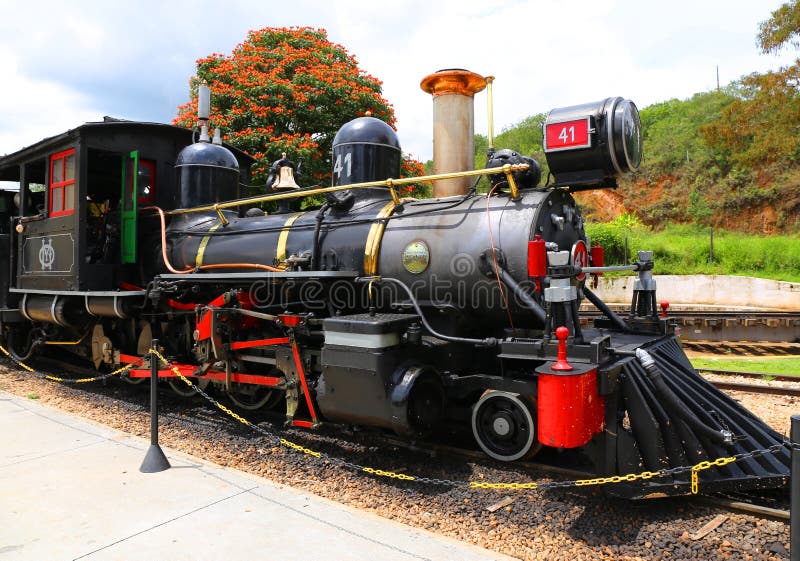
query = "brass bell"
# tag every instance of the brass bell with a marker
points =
(285, 180)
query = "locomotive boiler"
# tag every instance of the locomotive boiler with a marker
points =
(434, 317)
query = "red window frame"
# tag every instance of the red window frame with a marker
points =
(59, 188)
(150, 198)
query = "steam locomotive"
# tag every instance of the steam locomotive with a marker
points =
(412, 316)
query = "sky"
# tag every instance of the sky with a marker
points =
(65, 63)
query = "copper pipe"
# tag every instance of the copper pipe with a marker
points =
(241, 266)
(169, 266)
(175, 271)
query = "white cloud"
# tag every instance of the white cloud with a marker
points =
(32, 109)
(81, 60)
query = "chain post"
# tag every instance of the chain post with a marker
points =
(794, 508)
(154, 460)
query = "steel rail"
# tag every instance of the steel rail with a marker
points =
(752, 375)
(747, 508)
(757, 388)
(713, 314)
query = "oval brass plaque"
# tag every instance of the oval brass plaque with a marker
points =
(416, 257)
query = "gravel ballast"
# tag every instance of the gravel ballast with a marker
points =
(571, 524)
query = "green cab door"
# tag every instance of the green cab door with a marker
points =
(130, 175)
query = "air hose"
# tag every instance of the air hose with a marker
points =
(674, 404)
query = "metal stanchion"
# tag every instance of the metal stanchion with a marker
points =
(794, 522)
(155, 460)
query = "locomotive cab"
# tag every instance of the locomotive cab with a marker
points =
(79, 219)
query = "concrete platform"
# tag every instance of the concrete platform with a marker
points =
(71, 489)
(708, 291)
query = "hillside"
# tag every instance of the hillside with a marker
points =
(728, 158)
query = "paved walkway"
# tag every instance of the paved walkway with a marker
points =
(71, 489)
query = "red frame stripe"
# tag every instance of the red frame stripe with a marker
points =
(302, 375)
(258, 343)
(188, 371)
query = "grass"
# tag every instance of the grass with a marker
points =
(776, 366)
(685, 250)
(33, 395)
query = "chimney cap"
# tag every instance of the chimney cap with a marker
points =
(453, 81)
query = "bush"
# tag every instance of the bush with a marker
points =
(685, 250)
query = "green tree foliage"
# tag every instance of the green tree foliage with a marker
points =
(524, 137)
(288, 90)
(671, 132)
(761, 127)
(781, 28)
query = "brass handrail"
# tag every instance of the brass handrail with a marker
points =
(508, 169)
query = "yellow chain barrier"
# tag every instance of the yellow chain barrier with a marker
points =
(695, 469)
(483, 485)
(70, 380)
(390, 474)
(92, 379)
(188, 382)
(300, 448)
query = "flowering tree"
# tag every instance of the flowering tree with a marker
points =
(287, 90)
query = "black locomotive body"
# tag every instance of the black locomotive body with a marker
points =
(416, 316)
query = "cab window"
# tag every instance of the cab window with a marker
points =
(146, 184)
(62, 183)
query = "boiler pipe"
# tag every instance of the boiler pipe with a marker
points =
(525, 298)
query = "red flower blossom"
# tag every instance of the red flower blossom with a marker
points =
(287, 90)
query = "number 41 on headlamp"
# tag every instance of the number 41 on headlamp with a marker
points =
(588, 146)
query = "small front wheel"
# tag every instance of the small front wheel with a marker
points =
(503, 426)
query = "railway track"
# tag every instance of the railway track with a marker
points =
(766, 387)
(743, 506)
(747, 348)
(758, 388)
(726, 326)
(753, 375)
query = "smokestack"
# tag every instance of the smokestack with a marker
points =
(453, 126)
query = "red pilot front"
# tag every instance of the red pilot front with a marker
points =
(569, 408)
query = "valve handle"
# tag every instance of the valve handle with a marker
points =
(561, 364)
